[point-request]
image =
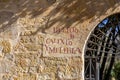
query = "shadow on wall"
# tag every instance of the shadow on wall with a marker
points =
(63, 12)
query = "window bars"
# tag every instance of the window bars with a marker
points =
(102, 47)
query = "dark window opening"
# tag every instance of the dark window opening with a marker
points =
(102, 49)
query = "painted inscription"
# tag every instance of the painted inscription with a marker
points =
(59, 45)
(66, 30)
(61, 49)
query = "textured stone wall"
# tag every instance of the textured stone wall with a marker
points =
(45, 39)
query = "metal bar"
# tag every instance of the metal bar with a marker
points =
(97, 70)
(98, 44)
(110, 32)
(90, 69)
(102, 40)
(96, 50)
(100, 56)
(105, 34)
(87, 68)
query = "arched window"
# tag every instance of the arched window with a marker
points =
(102, 47)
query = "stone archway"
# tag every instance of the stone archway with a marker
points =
(101, 49)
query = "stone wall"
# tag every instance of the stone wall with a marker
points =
(45, 39)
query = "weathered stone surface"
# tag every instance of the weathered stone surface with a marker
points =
(25, 25)
(6, 46)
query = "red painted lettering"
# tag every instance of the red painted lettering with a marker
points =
(48, 41)
(65, 30)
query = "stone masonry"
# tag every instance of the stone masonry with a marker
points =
(45, 39)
